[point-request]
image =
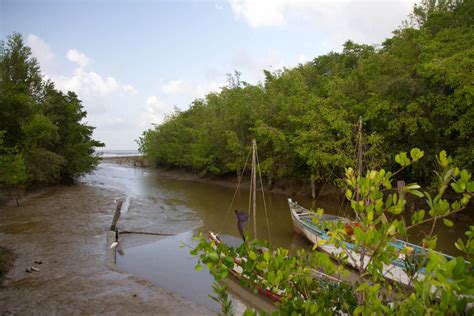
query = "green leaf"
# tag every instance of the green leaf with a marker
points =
(378, 205)
(465, 176)
(396, 210)
(359, 310)
(416, 154)
(418, 217)
(470, 187)
(249, 312)
(457, 188)
(271, 277)
(363, 286)
(266, 255)
(252, 255)
(412, 186)
(370, 217)
(213, 256)
(416, 193)
(398, 159)
(460, 245)
(443, 159)
(349, 194)
(359, 234)
(391, 230)
(229, 261)
(447, 222)
(198, 267)
(261, 266)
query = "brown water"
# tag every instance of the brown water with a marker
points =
(190, 207)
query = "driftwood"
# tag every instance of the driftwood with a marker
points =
(116, 215)
(146, 233)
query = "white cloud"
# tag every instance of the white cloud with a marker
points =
(303, 58)
(259, 13)
(202, 89)
(190, 90)
(77, 57)
(129, 89)
(43, 53)
(173, 87)
(155, 111)
(87, 83)
(360, 20)
(105, 98)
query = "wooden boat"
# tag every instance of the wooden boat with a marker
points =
(303, 224)
(274, 295)
(237, 271)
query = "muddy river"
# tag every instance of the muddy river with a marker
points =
(157, 202)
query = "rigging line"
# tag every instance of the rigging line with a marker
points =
(340, 206)
(236, 190)
(263, 196)
(250, 204)
(345, 211)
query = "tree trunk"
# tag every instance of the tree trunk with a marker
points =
(239, 174)
(270, 183)
(313, 186)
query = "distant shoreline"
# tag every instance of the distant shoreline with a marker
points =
(117, 153)
(137, 160)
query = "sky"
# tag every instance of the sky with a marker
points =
(132, 62)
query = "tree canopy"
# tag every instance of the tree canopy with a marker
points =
(415, 90)
(43, 139)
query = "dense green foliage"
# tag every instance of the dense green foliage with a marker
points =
(415, 90)
(436, 285)
(42, 137)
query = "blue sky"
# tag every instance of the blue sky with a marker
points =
(131, 62)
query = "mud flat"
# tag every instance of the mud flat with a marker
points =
(65, 228)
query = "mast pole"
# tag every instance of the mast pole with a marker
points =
(254, 186)
(359, 157)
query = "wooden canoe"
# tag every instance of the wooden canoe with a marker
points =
(303, 224)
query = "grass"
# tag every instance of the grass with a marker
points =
(6, 262)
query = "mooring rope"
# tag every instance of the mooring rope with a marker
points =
(263, 196)
(236, 190)
(250, 205)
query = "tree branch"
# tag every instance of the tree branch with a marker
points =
(433, 218)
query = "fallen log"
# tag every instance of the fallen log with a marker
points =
(146, 233)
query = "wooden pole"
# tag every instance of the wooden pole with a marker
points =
(254, 186)
(359, 157)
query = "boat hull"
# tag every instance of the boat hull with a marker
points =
(317, 236)
(237, 270)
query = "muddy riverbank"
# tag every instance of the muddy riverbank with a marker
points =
(65, 229)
